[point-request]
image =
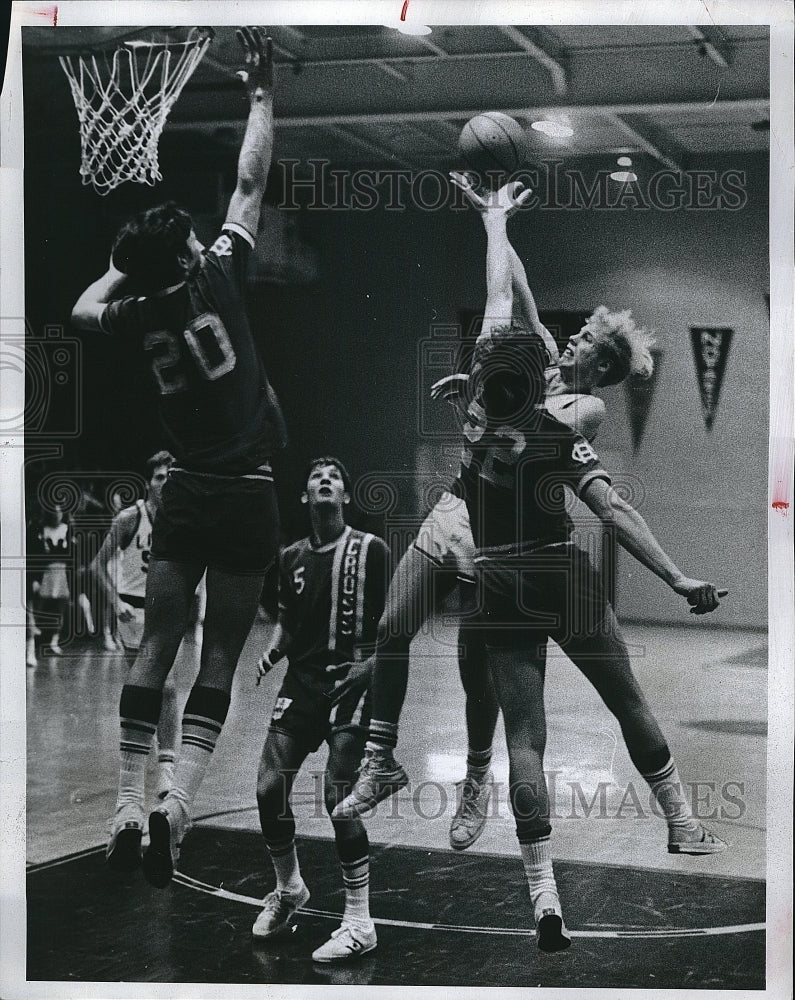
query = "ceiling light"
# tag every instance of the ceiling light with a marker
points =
(624, 161)
(623, 176)
(555, 130)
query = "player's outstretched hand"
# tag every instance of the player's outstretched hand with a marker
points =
(350, 677)
(506, 201)
(701, 596)
(258, 72)
(450, 388)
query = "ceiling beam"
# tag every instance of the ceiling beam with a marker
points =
(713, 43)
(756, 105)
(554, 64)
(641, 135)
(371, 146)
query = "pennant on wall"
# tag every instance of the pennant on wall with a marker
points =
(710, 351)
(639, 396)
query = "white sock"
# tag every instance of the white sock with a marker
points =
(285, 865)
(356, 879)
(666, 785)
(537, 861)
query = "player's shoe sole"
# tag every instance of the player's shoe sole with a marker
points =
(158, 861)
(124, 852)
(551, 933)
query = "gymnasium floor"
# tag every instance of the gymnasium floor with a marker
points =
(639, 916)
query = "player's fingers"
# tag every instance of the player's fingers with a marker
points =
(245, 39)
(523, 196)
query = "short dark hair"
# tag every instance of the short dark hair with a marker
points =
(329, 460)
(509, 377)
(159, 458)
(147, 248)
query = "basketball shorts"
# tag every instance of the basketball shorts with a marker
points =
(229, 524)
(553, 591)
(307, 713)
(445, 537)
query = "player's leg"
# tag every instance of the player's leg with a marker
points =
(417, 586)
(356, 935)
(519, 681)
(282, 757)
(603, 657)
(482, 710)
(232, 600)
(169, 588)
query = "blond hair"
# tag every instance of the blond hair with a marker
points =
(627, 345)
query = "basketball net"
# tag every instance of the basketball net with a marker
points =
(123, 100)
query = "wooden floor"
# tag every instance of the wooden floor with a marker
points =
(640, 917)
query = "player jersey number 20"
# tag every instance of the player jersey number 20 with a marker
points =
(208, 344)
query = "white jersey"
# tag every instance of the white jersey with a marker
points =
(133, 561)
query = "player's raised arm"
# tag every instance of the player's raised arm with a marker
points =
(257, 149)
(636, 537)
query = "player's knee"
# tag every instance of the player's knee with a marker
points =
(169, 689)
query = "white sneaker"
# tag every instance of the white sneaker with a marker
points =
(123, 853)
(30, 654)
(276, 918)
(551, 933)
(346, 943)
(168, 824)
(53, 649)
(699, 841)
(110, 644)
(473, 808)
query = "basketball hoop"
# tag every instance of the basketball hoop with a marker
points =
(123, 99)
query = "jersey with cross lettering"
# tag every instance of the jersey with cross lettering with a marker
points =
(217, 407)
(331, 598)
(512, 478)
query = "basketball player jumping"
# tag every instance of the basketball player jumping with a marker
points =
(607, 350)
(332, 587)
(222, 422)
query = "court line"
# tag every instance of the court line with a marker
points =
(628, 932)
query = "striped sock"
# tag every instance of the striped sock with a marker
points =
(356, 879)
(478, 763)
(285, 864)
(202, 721)
(668, 790)
(537, 861)
(139, 710)
(382, 735)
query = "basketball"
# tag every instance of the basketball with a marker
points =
(492, 141)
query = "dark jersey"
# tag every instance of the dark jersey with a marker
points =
(331, 599)
(512, 479)
(218, 410)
